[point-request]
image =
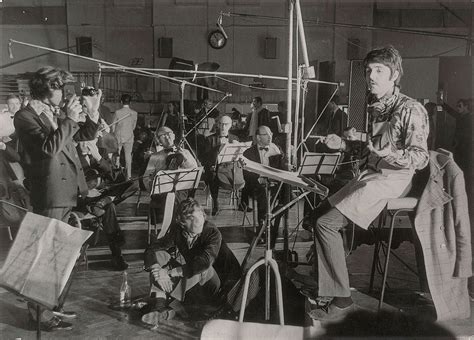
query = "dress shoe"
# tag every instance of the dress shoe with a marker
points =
(65, 314)
(119, 263)
(55, 324)
(331, 312)
(153, 318)
(214, 212)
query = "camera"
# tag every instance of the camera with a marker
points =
(89, 91)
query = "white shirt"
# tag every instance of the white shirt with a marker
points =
(269, 151)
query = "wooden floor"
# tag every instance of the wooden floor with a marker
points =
(95, 291)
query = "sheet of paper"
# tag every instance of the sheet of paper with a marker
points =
(41, 258)
(287, 177)
(232, 152)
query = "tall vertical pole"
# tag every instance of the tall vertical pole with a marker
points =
(288, 119)
(304, 50)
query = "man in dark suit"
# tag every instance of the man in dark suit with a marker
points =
(215, 172)
(102, 203)
(266, 153)
(258, 117)
(53, 171)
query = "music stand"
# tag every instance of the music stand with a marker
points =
(170, 182)
(315, 163)
(232, 152)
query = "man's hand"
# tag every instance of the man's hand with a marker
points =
(161, 276)
(91, 105)
(385, 151)
(74, 109)
(94, 150)
(3, 146)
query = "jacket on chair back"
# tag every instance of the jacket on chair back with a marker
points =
(443, 228)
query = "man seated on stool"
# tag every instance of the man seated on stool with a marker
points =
(266, 153)
(209, 268)
(214, 144)
(397, 147)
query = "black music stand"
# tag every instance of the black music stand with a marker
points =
(172, 181)
(232, 152)
(315, 163)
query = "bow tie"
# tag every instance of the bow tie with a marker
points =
(224, 136)
(263, 148)
(168, 150)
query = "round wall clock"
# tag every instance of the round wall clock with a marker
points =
(217, 39)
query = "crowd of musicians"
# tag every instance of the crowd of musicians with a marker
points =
(62, 155)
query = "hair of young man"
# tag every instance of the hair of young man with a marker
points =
(186, 208)
(388, 56)
(125, 99)
(46, 79)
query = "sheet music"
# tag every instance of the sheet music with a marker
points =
(232, 151)
(41, 258)
(315, 163)
(176, 180)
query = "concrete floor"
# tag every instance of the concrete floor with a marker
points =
(95, 291)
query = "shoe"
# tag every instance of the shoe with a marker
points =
(65, 314)
(214, 212)
(331, 312)
(55, 324)
(153, 318)
(119, 263)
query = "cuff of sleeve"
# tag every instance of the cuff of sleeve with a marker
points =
(176, 272)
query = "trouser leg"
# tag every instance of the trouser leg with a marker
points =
(127, 148)
(333, 277)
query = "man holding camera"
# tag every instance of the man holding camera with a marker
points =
(54, 173)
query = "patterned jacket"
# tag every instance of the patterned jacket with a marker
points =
(443, 228)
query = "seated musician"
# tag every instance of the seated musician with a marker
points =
(266, 153)
(171, 157)
(224, 173)
(209, 269)
(100, 203)
(398, 146)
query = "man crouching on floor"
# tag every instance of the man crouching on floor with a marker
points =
(208, 271)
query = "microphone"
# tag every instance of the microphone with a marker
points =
(219, 25)
(10, 52)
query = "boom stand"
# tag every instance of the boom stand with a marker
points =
(269, 263)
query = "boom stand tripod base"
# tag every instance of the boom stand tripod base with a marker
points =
(269, 262)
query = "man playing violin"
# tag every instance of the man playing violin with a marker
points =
(171, 157)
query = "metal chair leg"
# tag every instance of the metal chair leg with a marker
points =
(387, 258)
